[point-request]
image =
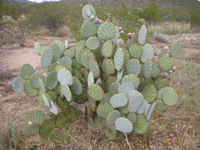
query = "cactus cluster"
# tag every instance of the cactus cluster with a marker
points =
(119, 82)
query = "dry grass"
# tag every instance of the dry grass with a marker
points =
(169, 28)
(160, 37)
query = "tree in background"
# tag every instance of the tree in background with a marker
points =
(47, 15)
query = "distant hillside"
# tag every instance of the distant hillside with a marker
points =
(161, 3)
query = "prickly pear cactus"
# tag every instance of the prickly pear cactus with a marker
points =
(119, 81)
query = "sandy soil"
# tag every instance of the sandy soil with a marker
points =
(13, 106)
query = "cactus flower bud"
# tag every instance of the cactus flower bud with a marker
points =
(165, 76)
(129, 35)
(30, 122)
(173, 69)
(120, 28)
(121, 32)
(96, 20)
(171, 135)
(166, 48)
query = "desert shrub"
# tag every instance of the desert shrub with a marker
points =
(47, 15)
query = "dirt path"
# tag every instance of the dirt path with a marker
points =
(13, 106)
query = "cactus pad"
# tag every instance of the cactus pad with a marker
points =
(61, 46)
(85, 57)
(132, 118)
(119, 59)
(160, 105)
(106, 31)
(65, 77)
(165, 63)
(35, 116)
(174, 49)
(65, 90)
(112, 117)
(26, 71)
(136, 51)
(90, 79)
(130, 41)
(107, 49)
(133, 67)
(87, 11)
(92, 43)
(131, 94)
(147, 52)
(42, 85)
(106, 98)
(80, 44)
(88, 29)
(47, 127)
(61, 120)
(46, 58)
(94, 68)
(103, 110)
(155, 71)
(65, 59)
(135, 103)
(170, 97)
(147, 70)
(37, 48)
(29, 90)
(142, 35)
(18, 86)
(141, 124)
(123, 125)
(162, 90)
(34, 80)
(142, 107)
(53, 108)
(118, 100)
(162, 83)
(96, 92)
(108, 66)
(76, 87)
(31, 130)
(125, 88)
(132, 79)
(119, 75)
(148, 117)
(56, 52)
(51, 80)
(149, 92)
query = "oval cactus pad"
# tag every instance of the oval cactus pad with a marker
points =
(51, 80)
(26, 71)
(125, 88)
(106, 31)
(107, 49)
(104, 109)
(96, 92)
(123, 125)
(118, 100)
(65, 77)
(165, 63)
(150, 112)
(94, 67)
(46, 58)
(92, 43)
(76, 87)
(31, 130)
(142, 35)
(132, 79)
(87, 11)
(131, 94)
(112, 117)
(133, 66)
(35, 116)
(149, 92)
(136, 51)
(135, 103)
(141, 124)
(147, 52)
(29, 90)
(66, 92)
(174, 49)
(119, 59)
(18, 86)
(88, 29)
(90, 79)
(170, 97)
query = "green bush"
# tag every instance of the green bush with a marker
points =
(48, 15)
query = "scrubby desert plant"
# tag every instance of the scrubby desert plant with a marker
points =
(118, 81)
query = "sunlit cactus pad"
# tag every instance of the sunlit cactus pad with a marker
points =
(118, 100)
(29, 90)
(165, 63)
(88, 29)
(123, 125)
(170, 97)
(135, 51)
